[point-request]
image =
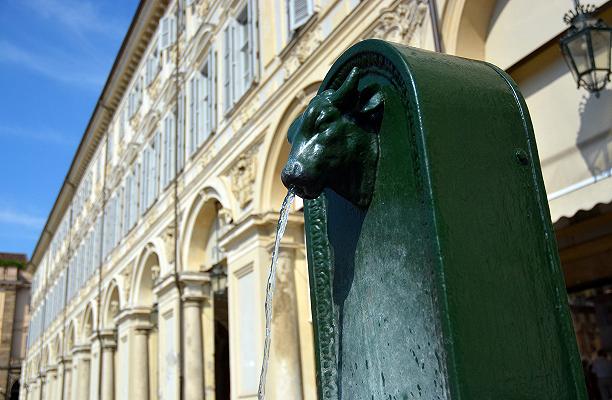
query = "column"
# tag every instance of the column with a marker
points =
(81, 359)
(139, 385)
(41, 385)
(193, 295)
(63, 379)
(133, 326)
(194, 372)
(74, 385)
(208, 315)
(65, 391)
(285, 372)
(108, 365)
(51, 382)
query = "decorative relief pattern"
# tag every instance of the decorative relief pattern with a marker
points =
(321, 278)
(398, 23)
(243, 175)
(303, 50)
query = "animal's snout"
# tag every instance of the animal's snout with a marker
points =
(291, 174)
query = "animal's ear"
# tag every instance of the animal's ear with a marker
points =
(371, 106)
(372, 102)
(344, 96)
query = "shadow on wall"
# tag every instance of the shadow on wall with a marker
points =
(594, 138)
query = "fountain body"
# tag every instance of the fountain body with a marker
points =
(433, 266)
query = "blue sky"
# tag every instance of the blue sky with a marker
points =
(55, 56)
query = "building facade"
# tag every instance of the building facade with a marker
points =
(14, 317)
(149, 277)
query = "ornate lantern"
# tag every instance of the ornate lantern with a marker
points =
(218, 278)
(586, 48)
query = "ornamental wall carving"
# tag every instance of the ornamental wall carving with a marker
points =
(242, 177)
(306, 45)
(399, 23)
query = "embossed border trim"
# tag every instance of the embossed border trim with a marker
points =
(320, 270)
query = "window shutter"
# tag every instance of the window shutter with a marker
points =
(299, 12)
(201, 118)
(172, 148)
(156, 165)
(212, 87)
(227, 67)
(172, 30)
(165, 33)
(253, 31)
(234, 48)
(134, 206)
(181, 130)
(250, 47)
(143, 182)
(127, 204)
(192, 116)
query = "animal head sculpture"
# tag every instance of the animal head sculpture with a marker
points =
(335, 143)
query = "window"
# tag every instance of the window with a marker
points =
(127, 205)
(299, 13)
(239, 55)
(152, 65)
(168, 166)
(202, 104)
(155, 170)
(144, 180)
(167, 32)
(181, 130)
(134, 196)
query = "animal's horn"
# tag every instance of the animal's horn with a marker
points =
(345, 92)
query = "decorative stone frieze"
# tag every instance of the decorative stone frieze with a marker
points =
(242, 177)
(399, 22)
(135, 121)
(153, 88)
(306, 45)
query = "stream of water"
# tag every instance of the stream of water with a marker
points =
(280, 231)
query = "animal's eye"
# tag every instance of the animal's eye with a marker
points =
(323, 119)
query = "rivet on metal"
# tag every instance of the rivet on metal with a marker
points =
(521, 157)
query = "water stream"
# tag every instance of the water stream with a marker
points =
(280, 231)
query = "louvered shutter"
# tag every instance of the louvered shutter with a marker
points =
(212, 83)
(156, 165)
(192, 116)
(299, 12)
(227, 67)
(180, 148)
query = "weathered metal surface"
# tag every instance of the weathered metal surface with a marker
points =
(438, 278)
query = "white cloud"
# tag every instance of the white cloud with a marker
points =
(65, 70)
(12, 217)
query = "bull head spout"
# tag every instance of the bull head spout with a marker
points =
(335, 143)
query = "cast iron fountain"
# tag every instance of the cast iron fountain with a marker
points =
(433, 265)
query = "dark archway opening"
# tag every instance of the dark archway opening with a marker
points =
(14, 391)
(222, 366)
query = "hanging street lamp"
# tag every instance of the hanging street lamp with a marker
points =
(586, 48)
(218, 278)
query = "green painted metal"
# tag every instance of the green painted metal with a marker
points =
(437, 276)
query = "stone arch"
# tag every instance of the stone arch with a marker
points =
(465, 26)
(111, 305)
(57, 348)
(70, 338)
(272, 189)
(147, 270)
(208, 215)
(87, 324)
(44, 358)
